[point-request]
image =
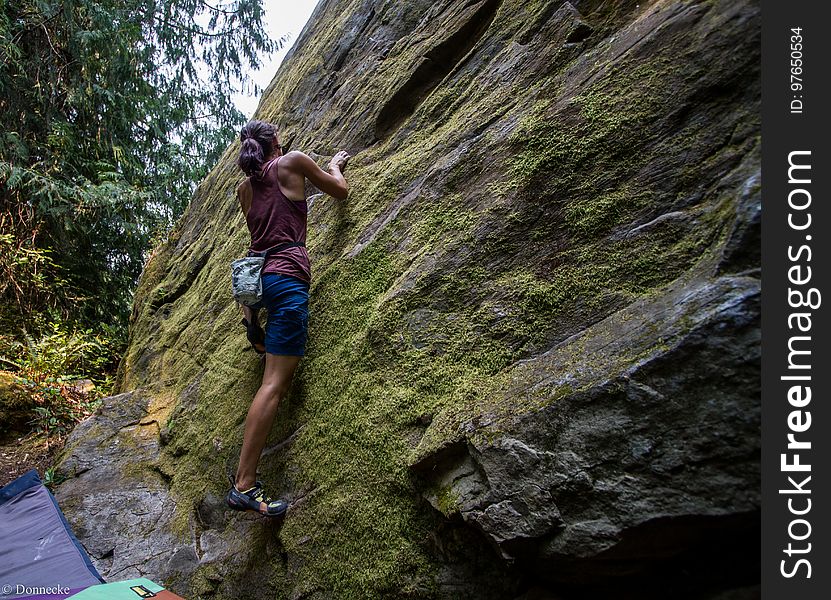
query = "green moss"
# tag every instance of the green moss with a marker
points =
(603, 122)
(15, 402)
(448, 502)
(443, 222)
(204, 581)
(599, 213)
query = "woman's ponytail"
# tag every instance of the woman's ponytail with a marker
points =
(257, 139)
(251, 156)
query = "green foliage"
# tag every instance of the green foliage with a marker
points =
(65, 354)
(29, 278)
(51, 478)
(62, 373)
(110, 113)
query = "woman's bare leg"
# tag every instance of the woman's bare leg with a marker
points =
(279, 371)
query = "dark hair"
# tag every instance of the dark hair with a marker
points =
(257, 139)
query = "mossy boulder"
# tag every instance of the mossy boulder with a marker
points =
(534, 323)
(15, 403)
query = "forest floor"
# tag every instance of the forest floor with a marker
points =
(36, 421)
(21, 452)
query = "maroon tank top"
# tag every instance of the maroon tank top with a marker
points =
(272, 220)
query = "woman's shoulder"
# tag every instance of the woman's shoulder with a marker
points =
(295, 154)
(294, 159)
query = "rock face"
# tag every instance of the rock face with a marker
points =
(533, 367)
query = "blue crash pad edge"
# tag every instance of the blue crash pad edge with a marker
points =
(31, 479)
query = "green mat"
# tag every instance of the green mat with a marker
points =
(132, 589)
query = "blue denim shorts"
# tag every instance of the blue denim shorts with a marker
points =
(287, 300)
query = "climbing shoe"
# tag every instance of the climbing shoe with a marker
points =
(255, 334)
(251, 498)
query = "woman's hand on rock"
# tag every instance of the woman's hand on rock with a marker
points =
(339, 160)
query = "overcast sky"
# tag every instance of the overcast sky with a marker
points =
(281, 17)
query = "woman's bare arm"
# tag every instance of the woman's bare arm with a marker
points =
(332, 183)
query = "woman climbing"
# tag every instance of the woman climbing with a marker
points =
(273, 201)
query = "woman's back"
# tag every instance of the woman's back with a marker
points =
(273, 219)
